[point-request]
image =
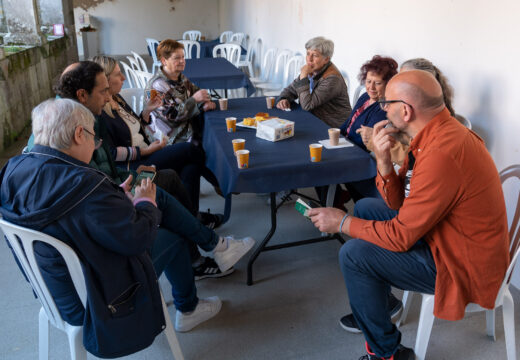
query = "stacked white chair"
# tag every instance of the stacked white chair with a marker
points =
(130, 75)
(140, 61)
(266, 67)
(503, 298)
(225, 36)
(152, 45)
(359, 91)
(22, 241)
(237, 38)
(254, 52)
(134, 97)
(291, 71)
(192, 35)
(229, 51)
(142, 78)
(275, 81)
(188, 46)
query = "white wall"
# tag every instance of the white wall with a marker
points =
(474, 42)
(124, 24)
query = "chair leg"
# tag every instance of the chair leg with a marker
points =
(77, 350)
(425, 326)
(508, 310)
(407, 302)
(490, 324)
(43, 336)
(170, 334)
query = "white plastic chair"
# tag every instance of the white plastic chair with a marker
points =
(275, 81)
(192, 35)
(254, 52)
(291, 71)
(503, 298)
(359, 91)
(225, 36)
(347, 80)
(237, 38)
(229, 51)
(129, 74)
(140, 61)
(152, 45)
(22, 241)
(266, 67)
(134, 97)
(188, 45)
(142, 78)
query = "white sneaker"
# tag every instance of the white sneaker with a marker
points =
(236, 248)
(205, 310)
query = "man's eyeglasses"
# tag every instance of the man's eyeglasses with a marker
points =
(97, 141)
(383, 103)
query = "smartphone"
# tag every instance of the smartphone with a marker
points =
(142, 175)
(303, 207)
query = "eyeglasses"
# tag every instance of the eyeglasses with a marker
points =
(178, 58)
(383, 103)
(97, 141)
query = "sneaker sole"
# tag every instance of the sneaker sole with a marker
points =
(231, 261)
(189, 327)
(395, 316)
(218, 275)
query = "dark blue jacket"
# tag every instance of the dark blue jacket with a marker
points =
(49, 191)
(371, 116)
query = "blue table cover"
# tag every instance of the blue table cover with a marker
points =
(281, 165)
(216, 73)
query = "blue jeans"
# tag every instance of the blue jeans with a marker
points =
(170, 251)
(369, 271)
(186, 159)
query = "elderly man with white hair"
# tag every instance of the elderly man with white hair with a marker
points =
(320, 87)
(119, 237)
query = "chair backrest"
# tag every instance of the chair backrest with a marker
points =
(292, 69)
(130, 75)
(237, 38)
(152, 48)
(22, 241)
(268, 63)
(140, 61)
(134, 65)
(279, 67)
(229, 51)
(143, 78)
(347, 80)
(225, 36)
(509, 174)
(192, 35)
(359, 91)
(188, 48)
(134, 97)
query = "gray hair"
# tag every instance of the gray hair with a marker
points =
(324, 46)
(55, 120)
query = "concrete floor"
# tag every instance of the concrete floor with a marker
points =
(291, 312)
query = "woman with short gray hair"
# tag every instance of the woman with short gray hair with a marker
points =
(320, 87)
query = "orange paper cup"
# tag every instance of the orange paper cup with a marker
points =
(231, 124)
(242, 159)
(238, 144)
(315, 150)
(269, 102)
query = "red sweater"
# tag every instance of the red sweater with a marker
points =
(456, 204)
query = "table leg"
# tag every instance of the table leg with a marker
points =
(227, 209)
(264, 242)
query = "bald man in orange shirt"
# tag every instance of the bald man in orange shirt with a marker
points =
(449, 237)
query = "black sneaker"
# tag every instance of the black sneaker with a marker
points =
(209, 269)
(349, 323)
(402, 353)
(211, 221)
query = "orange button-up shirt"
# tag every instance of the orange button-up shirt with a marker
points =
(456, 204)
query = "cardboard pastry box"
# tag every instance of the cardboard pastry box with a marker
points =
(275, 129)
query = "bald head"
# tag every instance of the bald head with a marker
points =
(70, 68)
(418, 88)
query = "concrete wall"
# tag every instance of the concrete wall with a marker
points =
(26, 79)
(124, 24)
(473, 42)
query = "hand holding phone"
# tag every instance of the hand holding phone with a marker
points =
(142, 175)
